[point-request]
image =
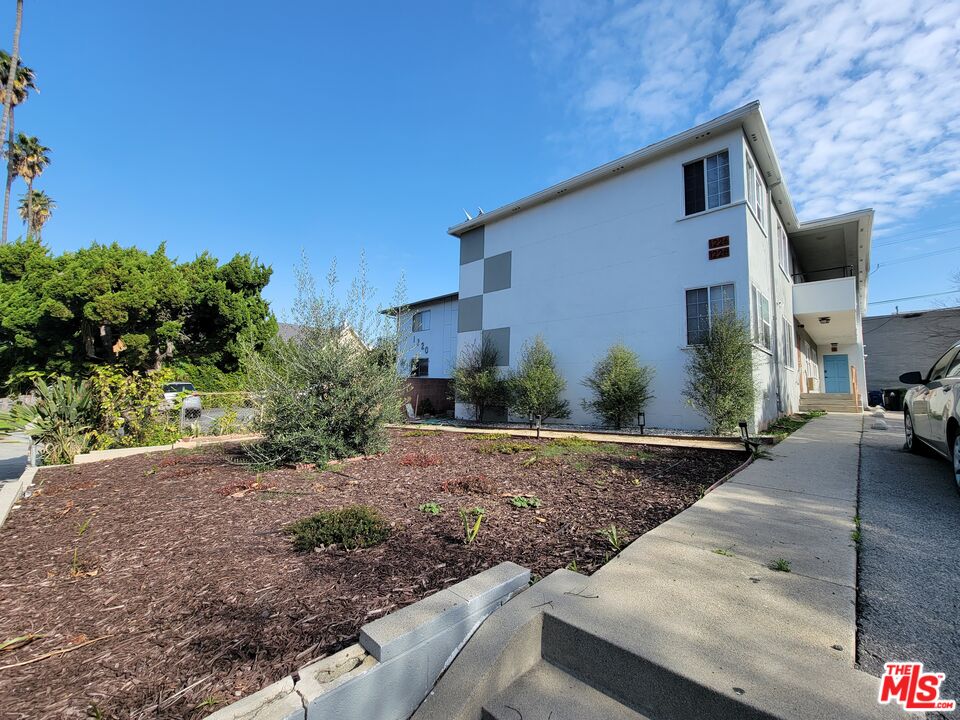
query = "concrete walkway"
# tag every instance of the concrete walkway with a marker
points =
(13, 456)
(690, 621)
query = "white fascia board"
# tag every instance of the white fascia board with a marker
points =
(730, 120)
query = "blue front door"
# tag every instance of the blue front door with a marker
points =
(836, 374)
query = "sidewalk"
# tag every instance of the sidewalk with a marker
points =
(676, 629)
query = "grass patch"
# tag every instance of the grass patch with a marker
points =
(505, 447)
(525, 501)
(488, 436)
(780, 565)
(431, 508)
(357, 526)
(422, 433)
(784, 426)
(722, 551)
(857, 534)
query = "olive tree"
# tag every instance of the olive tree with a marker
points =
(720, 385)
(619, 387)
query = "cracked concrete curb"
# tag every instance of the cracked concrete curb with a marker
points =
(396, 663)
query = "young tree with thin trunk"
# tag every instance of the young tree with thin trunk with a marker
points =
(24, 82)
(720, 384)
(477, 380)
(537, 387)
(619, 387)
(11, 77)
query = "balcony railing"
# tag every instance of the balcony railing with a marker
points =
(831, 273)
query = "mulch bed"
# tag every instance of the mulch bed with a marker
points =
(176, 567)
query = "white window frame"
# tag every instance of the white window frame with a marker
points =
(783, 245)
(756, 190)
(789, 347)
(424, 318)
(760, 320)
(723, 304)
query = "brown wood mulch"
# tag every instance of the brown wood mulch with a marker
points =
(167, 580)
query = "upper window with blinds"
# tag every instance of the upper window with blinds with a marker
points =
(706, 183)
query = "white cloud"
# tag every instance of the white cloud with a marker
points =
(861, 97)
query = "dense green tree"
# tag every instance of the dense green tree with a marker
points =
(107, 304)
(24, 82)
(536, 388)
(720, 384)
(619, 387)
(477, 380)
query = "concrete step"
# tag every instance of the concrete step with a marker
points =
(849, 397)
(545, 692)
(806, 406)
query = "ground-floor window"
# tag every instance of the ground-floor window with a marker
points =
(787, 347)
(761, 319)
(420, 367)
(706, 303)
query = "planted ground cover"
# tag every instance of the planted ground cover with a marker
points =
(175, 585)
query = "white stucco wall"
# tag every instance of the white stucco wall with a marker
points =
(612, 262)
(438, 343)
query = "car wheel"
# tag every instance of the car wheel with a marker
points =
(956, 460)
(911, 444)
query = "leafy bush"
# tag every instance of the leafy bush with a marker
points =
(130, 410)
(537, 388)
(61, 421)
(720, 385)
(476, 380)
(323, 394)
(619, 386)
(431, 508)
(357, 526)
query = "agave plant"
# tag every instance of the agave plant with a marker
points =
(59, 421)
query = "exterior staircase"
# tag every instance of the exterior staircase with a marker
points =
(831, 402)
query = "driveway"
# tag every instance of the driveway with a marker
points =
(13, 456)
(909, 574)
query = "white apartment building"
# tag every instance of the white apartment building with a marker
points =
(644, 250)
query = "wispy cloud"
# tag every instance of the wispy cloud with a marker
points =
(861, 97)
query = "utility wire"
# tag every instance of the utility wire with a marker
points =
(913, 297)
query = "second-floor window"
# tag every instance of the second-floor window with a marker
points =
(703, 305)
(756, 189)
(784, 248)
(706, 183)
(787, 349)
(761, 320)
(421, 321)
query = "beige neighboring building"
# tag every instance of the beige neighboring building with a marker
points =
(899, 343)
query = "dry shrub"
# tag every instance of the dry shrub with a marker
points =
(420, 459)
(479, 484)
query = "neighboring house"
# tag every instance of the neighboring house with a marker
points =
(428, 333)
(909, 341)
(290, 331)
(646, 249)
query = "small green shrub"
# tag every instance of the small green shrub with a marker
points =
(422, 433)
(61, 421)
(620, 387)
(431, 508)
(537, 387)
(525, 501)
(357, 526)
(612, 535)
(505, 447)
(488, 436)
(477, 380)
(780, 565)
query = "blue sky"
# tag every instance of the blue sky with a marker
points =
(333, 127)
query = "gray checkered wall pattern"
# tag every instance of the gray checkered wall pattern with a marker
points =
(495, 277)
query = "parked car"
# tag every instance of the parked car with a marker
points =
(192, 405)
(931, 409)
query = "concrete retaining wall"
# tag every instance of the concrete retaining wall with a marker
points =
(98, 455)
(396, 663)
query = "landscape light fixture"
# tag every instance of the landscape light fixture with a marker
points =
(748, 444)
(641, 420)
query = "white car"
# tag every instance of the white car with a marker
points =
(931, 409)
(192, 405)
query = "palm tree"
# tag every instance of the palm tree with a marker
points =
(29, 160)
(25, 82)
(36, 207)
(11, 76)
